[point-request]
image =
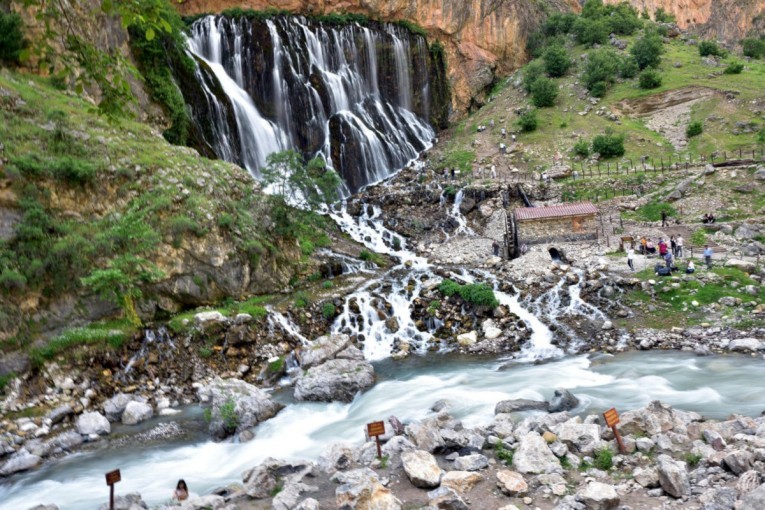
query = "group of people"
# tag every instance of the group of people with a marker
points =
(674, 248)
(669, 253)
(708, 218)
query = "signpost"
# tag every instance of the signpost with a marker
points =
(112, 477)
(612, 418)
(376, 429)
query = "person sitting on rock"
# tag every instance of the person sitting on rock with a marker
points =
(650, 248)
(181, 492)
(690, 268)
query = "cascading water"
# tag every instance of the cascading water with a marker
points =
(280, 321)
(357, 95)
(455, 215)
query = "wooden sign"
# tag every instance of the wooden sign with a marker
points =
(113, 477)
(612, 417)
(376, 428)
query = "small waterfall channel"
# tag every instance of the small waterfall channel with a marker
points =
(360, 96)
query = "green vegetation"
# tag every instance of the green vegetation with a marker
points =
(228, 414)
(11, 38)
(582, 148)
(370, 256)
(734, 68)
(412, 27)
(649, 79)
(699, 237)
(753, 48)
(710, 48)
(695, 128)
(384, 461)
(543, 93)
(531, 73)
(434, 306)
(238, 12)
(600, 71)
(276, 366)
(302, 299)
(693, 459)
(342, 18)
(647, 50)
(608, 145)
(528, 121)
(603, 459)
(328, 311)
(557, 61)
(652, 211)
(460, 159)
(205, 352)
(663, 17)
(502, 454)
(111, 335)
(478, 294)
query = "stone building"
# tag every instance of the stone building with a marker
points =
(556, 223)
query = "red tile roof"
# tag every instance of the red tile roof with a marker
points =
(555, 211)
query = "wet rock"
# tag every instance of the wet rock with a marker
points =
(472, 462)
(68, 440)
(20, 461)
(421, 468)
(563, 400)
(461, 481)
(673, 476)
(467, 339)
(334, 380)
(235, 406)
(533, 455)
(45, 507)
(745, 345)
(425, 435)
(136, 412)
(115, 406)
(519, 404)
(93, 423)
(131, 501)
(322, 349)
(599, 496)
(361, 490)
(60, 413)
(511, 483)
(207, 502)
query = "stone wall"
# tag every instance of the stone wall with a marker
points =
(548, 230)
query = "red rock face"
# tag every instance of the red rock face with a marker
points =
(483, 38)
(723, 19)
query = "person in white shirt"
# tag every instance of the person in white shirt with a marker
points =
(630, 258)
(679, 242)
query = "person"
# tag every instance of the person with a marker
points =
(663, 218)
(504, 133)
(690, 268)
(495, 248)
(630, 257)
(524, 249)
(662, 248)
(181, 491)
(673, 246)
(668, 260)
(643, 243)
(680, 241)
(708, 256)
(513, 137)
(711, 218)
(649, 247)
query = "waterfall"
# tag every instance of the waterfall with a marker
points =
(356, 95)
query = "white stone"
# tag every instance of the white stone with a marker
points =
(422, 468)
(93, 423)
(467, 339)
(136, 412)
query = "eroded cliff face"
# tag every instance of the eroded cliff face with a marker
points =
(483, 39)
(728, 20)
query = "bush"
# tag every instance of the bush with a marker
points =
(328, 310)
(628, 68)
(301, 299)
(647, 51)
(734, 68)
(663, 16)
(623, 19)
(707, 48)
(761, 135)
(11, 280)
(582, 148)
(556, 61)
(608, 145)
(528, 121)
(73, 171)
(544, 92)
(590, 31)
(600, 71)
(449, 287)
(753, 48)
(694, 129)
(532, 73)
(181, 225)
(650, 79)
(479, 294)
(11, 38)
(30, 166)
(604, 459)
(559, 23)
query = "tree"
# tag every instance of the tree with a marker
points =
(608, 145)
(544, 92)
(528, 121)
(628, 67)
(694, 129)
(753, 48)
(663, 16)
(533, 71)
(707, 48)
(309, 186)
(647, 51)
(600, 70)
(556, 61)
(649, 79)
(11, 38)
(590, 31)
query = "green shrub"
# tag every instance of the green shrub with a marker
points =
(604, 459)
(205, 352)
(649, 79)
(433, 306)
(647, 51)
(531, 73)
(30, 166)
(327, 285)
(276, 366)
(753, 48)
(412, 27)
(226, 221)
(734, 68)
(559, 23)
(449, 287)
(600, 70)
(652, 211)
(590, 31)
(301, 299)
(622, 19)
(599, 89)
(368, 256)
(608, 145)
(628, 68)
(694, 129)
(692, 459)
(761, 135)
(479, 294)
(582, 148)
(180, 225)
(503, 454)
(707, 48)
(699, 237)
(73, 171)
(12, 281)
(328, 310)
(228, 414)
(528, 121)
(556, 61)
(663, 16)
(11, 37)
(544, 92)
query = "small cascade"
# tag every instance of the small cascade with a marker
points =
(346, 265)
(277, 320)
(158, 340)
(357, 95)
(455, 215)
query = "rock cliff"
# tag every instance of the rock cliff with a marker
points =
(728, 20)
(483, 38)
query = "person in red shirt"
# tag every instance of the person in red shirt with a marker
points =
(662, 247)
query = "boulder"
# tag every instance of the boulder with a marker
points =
(647, 477)
(755, 500)
(743, 265)
(760, 173)
(748, 482)
(334, 380)
(598, 496)
(68, 440)
(533, 455)
(745, 345)
(425, 435)
(361, 489)
(511, 483)
(656, 418)
(472, 462)
(673, 476)
(93, 423)
(136, 412)
(235, 406)
(467, 339)
(211, 322)
(584, 437)
(208, 502)
(739, 461)
(58, 414)
(519, 404)
(337, 457)
(20, 461)
(421, 468)
(322, 349)
(563, 400)
(132, 501)
(445, 498)
(745, 231)
(461, 481)
(261, 481)
(115, 406)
